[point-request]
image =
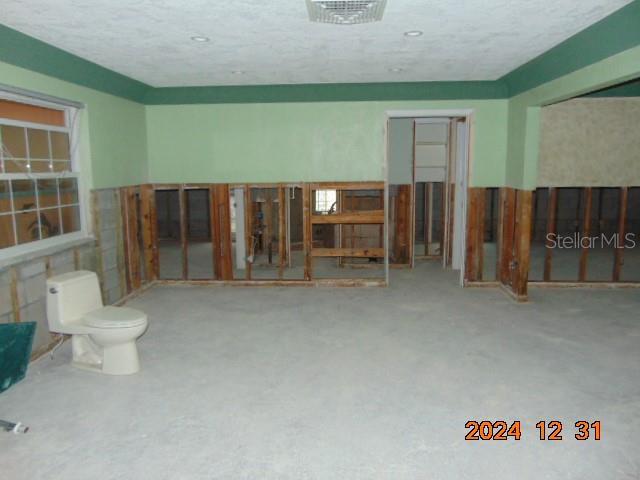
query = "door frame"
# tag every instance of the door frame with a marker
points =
(469, 115)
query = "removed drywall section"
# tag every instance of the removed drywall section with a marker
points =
(591, 142)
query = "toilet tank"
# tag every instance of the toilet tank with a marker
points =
(70, 296)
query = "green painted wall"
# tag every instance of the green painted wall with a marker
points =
(113, 143)
(282, 142)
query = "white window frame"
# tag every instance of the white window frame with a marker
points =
(72, 114)
(325, 201)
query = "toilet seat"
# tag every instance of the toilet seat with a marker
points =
(115, 317)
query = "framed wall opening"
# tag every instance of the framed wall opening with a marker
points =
(428, 181)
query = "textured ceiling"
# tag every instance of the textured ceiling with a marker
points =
(273, 42)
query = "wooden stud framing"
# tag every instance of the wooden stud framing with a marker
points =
(586, 231)
(474, 262)
(130, 223)
(348, 252)
(522, 244)
(355, 217)
(402, 226)
(346, 186)
(552, 208)
(220, 226)
(214, 228)
(13, 291)
(248, 231)
(592, 284)
(184, 243)
(149, 231)
(282, 230)
(267, 216)
(443, 220)
(622, 218)
(321, 282)
(506, 228)
(307, 231)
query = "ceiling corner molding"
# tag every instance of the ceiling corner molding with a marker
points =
(327, 92)
(613, 34)
(27, 52)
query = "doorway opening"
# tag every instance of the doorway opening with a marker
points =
(427, 165)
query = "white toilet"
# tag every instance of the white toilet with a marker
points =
(103, 338)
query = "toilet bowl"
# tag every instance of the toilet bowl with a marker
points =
(103, 338)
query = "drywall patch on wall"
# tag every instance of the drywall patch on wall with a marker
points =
(590, 142)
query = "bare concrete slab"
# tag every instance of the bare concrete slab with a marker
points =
(304, 383)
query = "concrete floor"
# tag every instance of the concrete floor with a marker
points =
(304, 383)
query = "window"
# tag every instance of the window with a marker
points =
(325, 201)
(38, 183)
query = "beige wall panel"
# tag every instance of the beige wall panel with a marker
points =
(590, 142)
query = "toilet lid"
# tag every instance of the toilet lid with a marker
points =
(115, 317)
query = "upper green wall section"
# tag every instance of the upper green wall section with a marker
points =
(27, 52)
(289, 142)
(113, 143)
(327, 92)
(613, 34)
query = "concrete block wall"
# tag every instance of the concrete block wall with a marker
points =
(23, 288)
(23, 284)
(107, 222)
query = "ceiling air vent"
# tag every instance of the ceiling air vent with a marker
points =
(346, 12)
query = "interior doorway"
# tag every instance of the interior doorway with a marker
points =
(427, 167)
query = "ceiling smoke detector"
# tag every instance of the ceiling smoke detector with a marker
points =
(345, 12)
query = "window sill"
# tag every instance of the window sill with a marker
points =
(12, 257)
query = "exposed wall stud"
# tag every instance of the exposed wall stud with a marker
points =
(586, 231)
(622, 218)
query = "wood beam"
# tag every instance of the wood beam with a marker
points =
(214, 228)
(348, 252)
(282, 230)
(552, 208)
(131, 245)
(307, 231)
(506, 229)
(248, 230)
(225, 241)
(622, 218)
(522, 243)
(474, 262)
(184, 244)
(149, 231)
(353, 217)
(586, 231)
(347, 186)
